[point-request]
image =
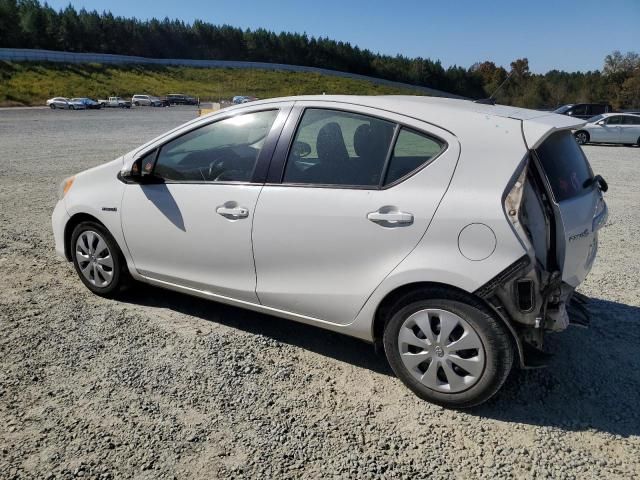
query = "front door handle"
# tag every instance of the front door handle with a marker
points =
(391, 218)
(232, 213)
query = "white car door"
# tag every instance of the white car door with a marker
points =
(342, 208)
(188, 222)
(630, 129)
(610, 132)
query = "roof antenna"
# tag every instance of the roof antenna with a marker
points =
(491, 100)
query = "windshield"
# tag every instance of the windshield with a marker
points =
(563, 108)
(595, 119)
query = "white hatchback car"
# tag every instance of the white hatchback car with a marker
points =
(610, 128)
(449, 233)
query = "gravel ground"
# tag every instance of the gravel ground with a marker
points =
(161, 385)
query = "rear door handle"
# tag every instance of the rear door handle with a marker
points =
(391, 218)
(233, 213)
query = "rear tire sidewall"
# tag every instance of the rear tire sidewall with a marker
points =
(498, 352)
(119, 263)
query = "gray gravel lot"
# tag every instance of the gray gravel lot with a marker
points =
(161, 385)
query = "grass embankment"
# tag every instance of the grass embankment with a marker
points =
(33, 83)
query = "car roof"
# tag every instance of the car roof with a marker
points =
(449, 113)
(619, 113)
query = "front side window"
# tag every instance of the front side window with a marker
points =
(616, 120)
(412, 151)
(338, 148)
(224, 151)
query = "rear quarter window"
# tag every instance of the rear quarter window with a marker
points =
(565, 166)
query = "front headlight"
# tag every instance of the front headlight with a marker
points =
(64, 187)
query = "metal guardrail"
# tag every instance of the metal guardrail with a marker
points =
(32, 55)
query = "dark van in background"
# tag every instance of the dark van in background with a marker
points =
(584, 110)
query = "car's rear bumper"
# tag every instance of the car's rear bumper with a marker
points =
(59, 220)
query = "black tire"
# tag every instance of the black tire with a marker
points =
(137, 104)
(121, 277)
(71, 107)
(495, 338)
(582, 137)
(52, 106)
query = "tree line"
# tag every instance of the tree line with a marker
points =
(30, 24)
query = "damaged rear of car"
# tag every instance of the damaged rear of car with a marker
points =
(556, 208)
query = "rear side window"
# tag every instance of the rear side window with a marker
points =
(338, 148)
(412, 151)
(631, 120)
(565, 165)
(595, 109)
(349, 149)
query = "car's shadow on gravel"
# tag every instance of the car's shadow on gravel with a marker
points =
(593, 381)
(326, 343)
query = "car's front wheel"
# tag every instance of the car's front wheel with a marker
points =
(447, 347)
(582, 137)
(98, 259)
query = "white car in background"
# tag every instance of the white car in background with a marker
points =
(610, 128)
(65, 103)
(450, 234)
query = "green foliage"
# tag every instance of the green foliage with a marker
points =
(32, 83)
(29, 24)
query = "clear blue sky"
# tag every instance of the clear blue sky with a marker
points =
(567, 35)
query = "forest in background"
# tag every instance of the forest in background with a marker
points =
(30, 24)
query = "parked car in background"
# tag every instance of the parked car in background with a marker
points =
(87, 102)
(65, 103)
(583, 110)
(181, 99)
(344, 212)
(115, 102)
(148, 101)
(238, 99)
(610, 128)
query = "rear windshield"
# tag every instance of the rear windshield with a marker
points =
(565, 165)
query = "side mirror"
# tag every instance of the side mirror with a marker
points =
(142, 169)
(601, 123)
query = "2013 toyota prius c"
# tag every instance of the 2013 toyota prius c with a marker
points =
(451, 234)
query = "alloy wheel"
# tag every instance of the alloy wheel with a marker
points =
(441, 350)
(581, 138)
(94, 258)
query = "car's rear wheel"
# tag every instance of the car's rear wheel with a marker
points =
(52, 106)
(98, 259)
(582, 137)
(447, 347)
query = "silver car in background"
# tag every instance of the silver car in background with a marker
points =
(610, 128)
(65, 103)
(146, 100)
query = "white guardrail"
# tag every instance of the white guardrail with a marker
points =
(32, 55)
